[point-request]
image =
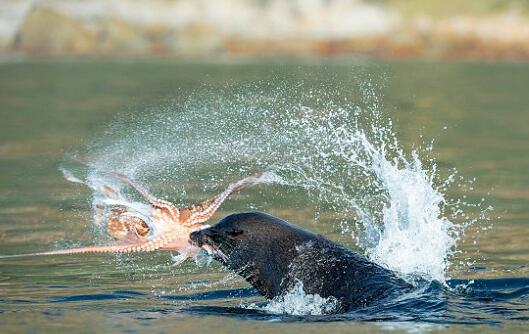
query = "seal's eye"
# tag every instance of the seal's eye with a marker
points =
(235, 233)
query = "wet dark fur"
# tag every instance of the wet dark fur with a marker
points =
(272, 255)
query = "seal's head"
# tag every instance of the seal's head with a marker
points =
(257, 246)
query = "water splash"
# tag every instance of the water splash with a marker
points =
(343, 151)
(398, 206)
(297, 302)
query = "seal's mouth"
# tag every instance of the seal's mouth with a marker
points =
(206, 239)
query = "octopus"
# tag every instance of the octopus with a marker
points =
(157, 225)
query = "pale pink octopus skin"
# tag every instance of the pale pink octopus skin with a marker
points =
(179, 223)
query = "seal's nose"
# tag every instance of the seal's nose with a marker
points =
(208, 236)
(196, 237)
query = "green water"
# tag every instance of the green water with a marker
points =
(48, 108)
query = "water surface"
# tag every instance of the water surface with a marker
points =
(477, 114)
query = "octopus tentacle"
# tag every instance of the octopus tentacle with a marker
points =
(141, 190)
(201, 212)
(113, 193)
(151, 245)
(160, 207)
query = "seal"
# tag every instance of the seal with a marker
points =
(273, 256)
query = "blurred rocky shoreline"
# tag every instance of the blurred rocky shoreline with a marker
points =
(202, 28)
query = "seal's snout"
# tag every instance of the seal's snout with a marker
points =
(203, 237)
(196, 238)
